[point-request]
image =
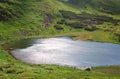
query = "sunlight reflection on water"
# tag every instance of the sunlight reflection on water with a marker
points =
(65, 51)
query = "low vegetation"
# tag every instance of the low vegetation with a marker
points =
(85, 19)
(107, 6)
(11, 68)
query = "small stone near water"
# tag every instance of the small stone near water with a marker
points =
(10, 49)
(85, 68)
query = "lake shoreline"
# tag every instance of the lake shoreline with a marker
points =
(58, 48)
(8, 61)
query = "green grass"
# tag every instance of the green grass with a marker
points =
(11, 68)
(33, 13)
(98, 35)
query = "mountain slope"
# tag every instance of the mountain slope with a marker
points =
(42, 17)
(108, 6)
(9, 9)
(29, 18)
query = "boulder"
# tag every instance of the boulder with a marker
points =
(85, 68)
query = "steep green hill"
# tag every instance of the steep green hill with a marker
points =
(108, 6)
(33, 17)
(9, 9)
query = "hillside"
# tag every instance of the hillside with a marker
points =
(91, 20)
(108, 6)
(39, 17)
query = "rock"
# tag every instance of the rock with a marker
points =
(85, 68)
(10, 48)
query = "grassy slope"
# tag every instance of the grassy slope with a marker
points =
(107, 6)
(31, 24)
(11, 68)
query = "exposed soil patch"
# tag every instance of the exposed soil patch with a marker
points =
(48, 20)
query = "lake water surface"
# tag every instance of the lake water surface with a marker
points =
(65, 51)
